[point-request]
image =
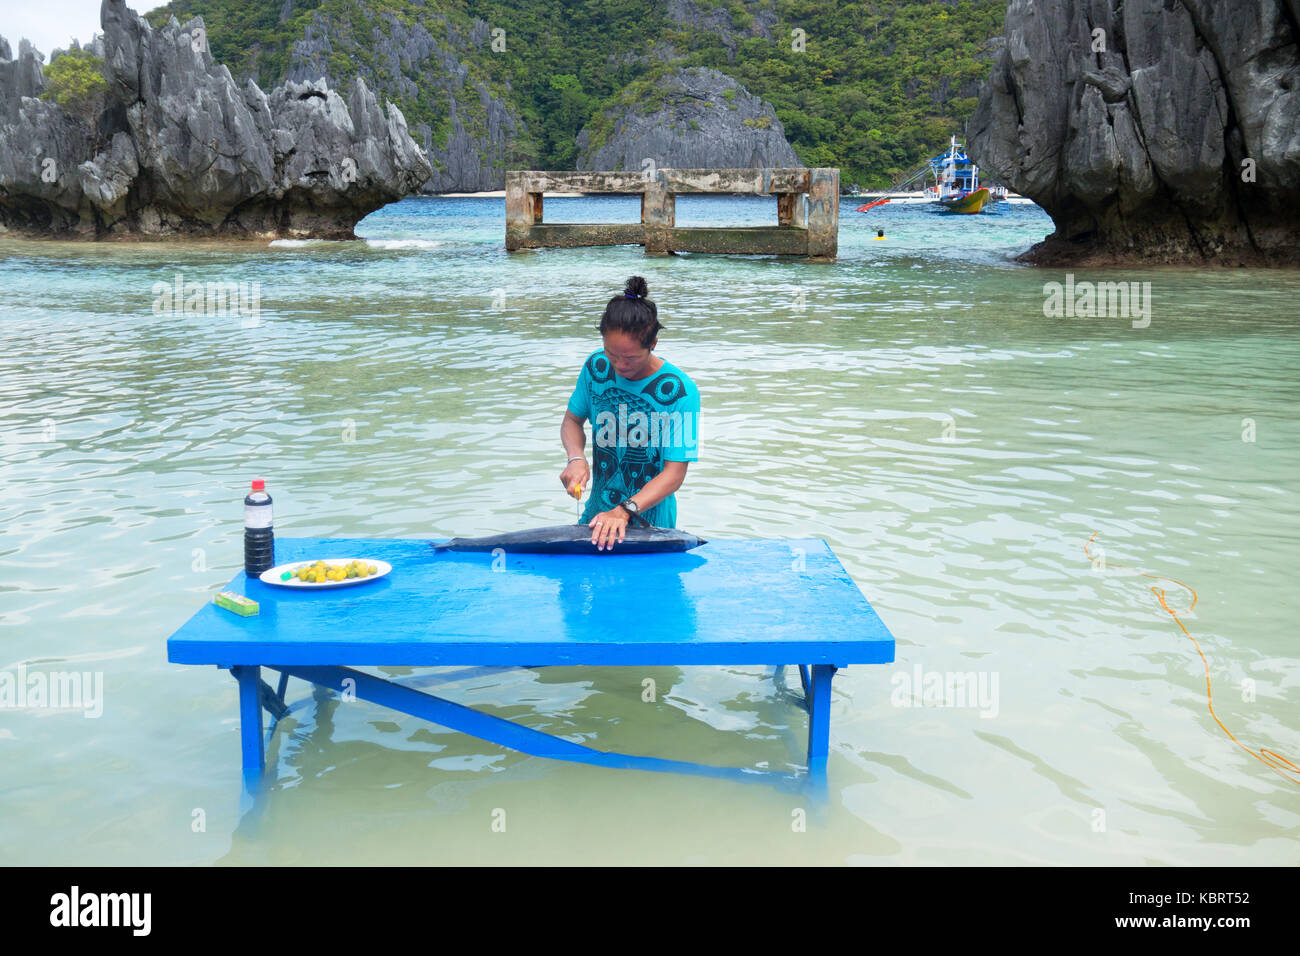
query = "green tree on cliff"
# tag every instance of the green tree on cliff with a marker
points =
(75, 81)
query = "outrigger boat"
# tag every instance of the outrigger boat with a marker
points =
(957, 182)
(955, 188)
(966, 203)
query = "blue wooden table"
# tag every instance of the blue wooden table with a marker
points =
(748, 602)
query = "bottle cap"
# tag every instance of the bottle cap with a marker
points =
(259, 484)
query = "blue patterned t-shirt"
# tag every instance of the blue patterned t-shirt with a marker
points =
(636, 426)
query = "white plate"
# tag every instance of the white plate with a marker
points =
(272, 575)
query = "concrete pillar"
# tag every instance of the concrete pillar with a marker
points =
(823, 212)
(519, 213)
(792, 210)
(659, 213)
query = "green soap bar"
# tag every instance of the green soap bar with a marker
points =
(245, 607)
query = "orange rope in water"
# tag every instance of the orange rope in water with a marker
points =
(1273, 760)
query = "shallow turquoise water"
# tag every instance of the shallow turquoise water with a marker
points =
(910, 403)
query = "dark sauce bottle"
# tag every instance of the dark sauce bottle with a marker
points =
(259, 537)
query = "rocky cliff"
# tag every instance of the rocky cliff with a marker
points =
(425, 61)
(1150, 129)
(689, 118)
(451, 73)
(179, 148)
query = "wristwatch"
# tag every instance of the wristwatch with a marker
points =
(630, 507)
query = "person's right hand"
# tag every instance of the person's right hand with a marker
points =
(575, 473)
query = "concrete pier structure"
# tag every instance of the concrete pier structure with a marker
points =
(807, 202)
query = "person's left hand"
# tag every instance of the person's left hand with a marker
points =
(608, 527)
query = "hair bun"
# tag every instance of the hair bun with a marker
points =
(636, 288)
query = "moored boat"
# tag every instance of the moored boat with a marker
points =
(957, 182)
(956, 187)
(971, 202)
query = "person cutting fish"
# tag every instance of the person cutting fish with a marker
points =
(644, 412)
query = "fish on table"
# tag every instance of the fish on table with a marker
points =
(576, 539)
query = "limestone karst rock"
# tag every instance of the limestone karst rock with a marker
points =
(1150, 130)
(180, 149)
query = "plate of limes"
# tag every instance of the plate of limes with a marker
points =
(332, 573)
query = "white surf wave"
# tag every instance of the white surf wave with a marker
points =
(403, 243)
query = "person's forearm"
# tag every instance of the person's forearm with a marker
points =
(574, 438)
(656, 490)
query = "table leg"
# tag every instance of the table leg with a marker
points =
(819, 713)
(250, 721)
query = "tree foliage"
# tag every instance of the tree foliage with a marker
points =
(75, 81)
